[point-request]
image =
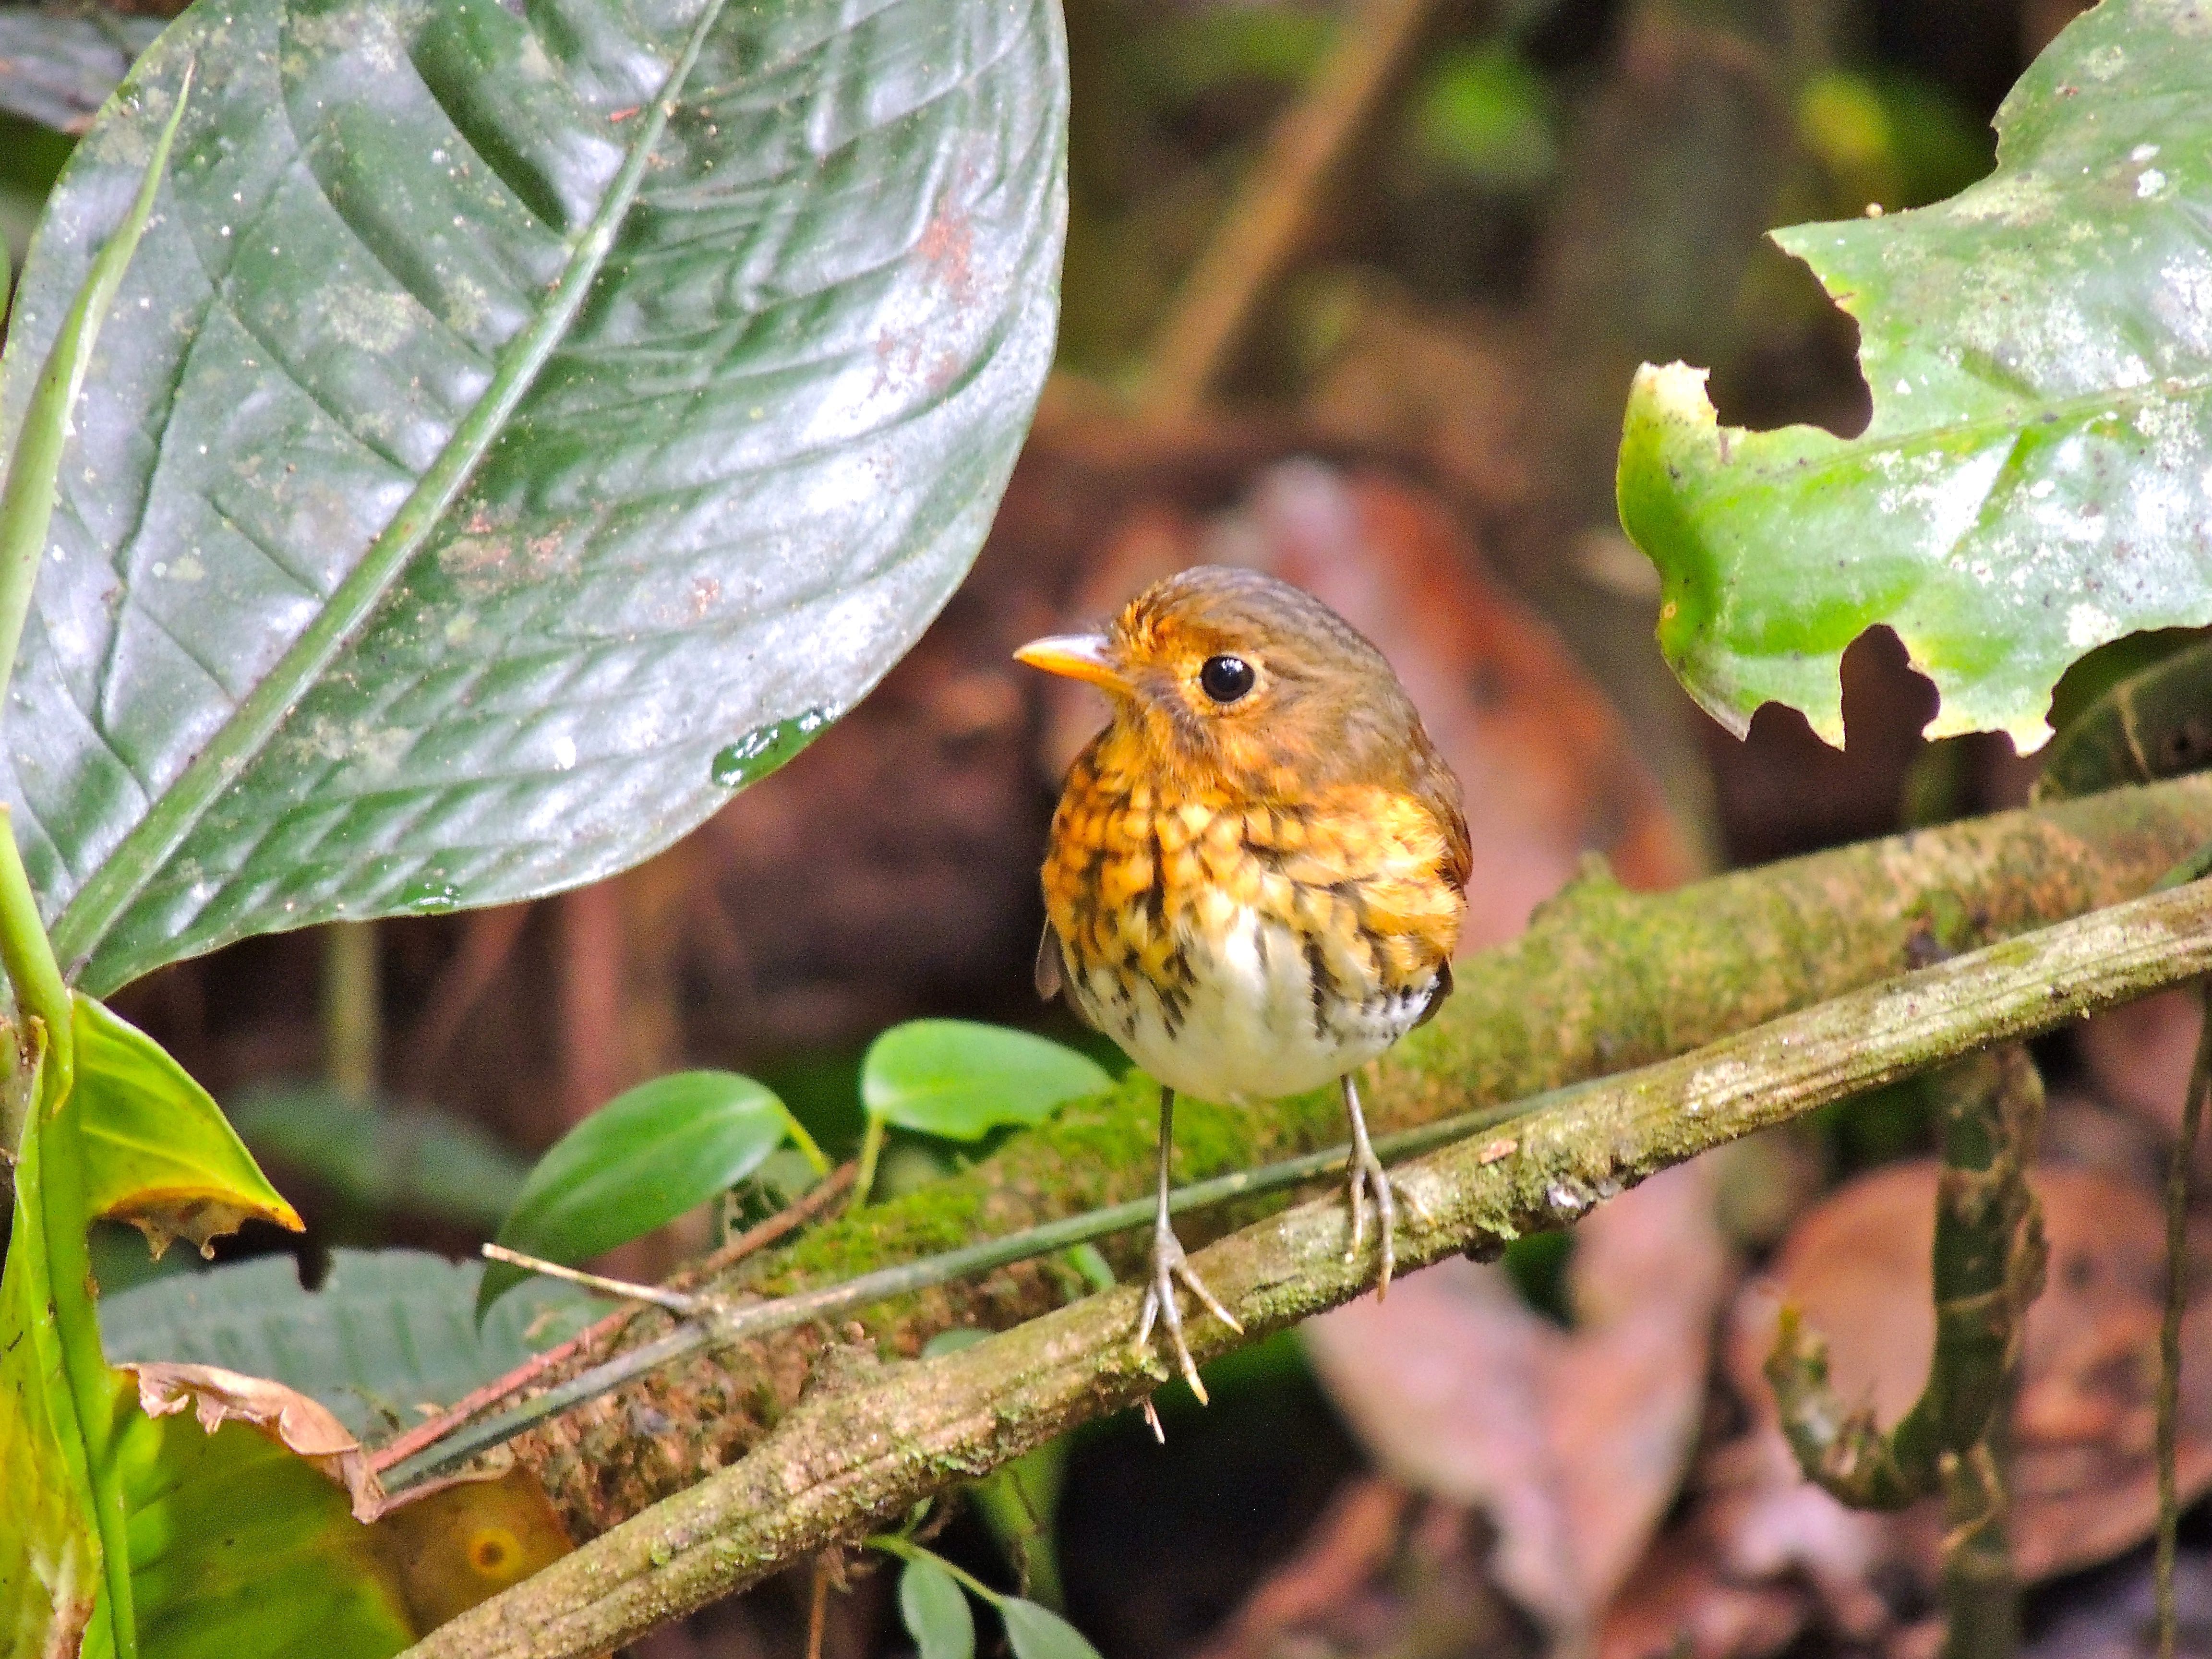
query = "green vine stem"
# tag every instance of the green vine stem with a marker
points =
(2169, 1329)
(1603, 979)
(883, 1436)
(50, 1179)
(1988, 1268)
(52, 1162)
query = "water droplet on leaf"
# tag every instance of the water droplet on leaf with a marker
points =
(764, 748)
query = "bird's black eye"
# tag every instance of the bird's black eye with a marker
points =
(1225, 678)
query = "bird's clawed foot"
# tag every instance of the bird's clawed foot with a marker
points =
(1368, 1182)
(1170, 1265)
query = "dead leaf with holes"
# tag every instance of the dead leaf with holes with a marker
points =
(284, 1415)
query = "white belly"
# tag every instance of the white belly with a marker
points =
(1250, 1027)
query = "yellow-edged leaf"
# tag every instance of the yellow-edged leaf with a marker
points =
(159, 1153)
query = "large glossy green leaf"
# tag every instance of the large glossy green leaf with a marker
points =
(960, 1079)
(159, 1153)
(388, 1331)
(638, 1162)
(2036, 477)
(522, 426)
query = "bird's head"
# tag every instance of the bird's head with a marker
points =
(1227, 676)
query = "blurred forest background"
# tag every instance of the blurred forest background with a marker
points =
(1353, 293)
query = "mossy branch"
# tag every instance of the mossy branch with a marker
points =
(885, 1435)
(1604, 979)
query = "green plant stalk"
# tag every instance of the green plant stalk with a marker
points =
(352, 1009)
(27, 501)
(51, 1177)
(808, 1149)
(871, 1151)
(906, 1549)
(744, 1324)
(870, 1450)
(2169, 1329)
(1988, 1268)
(84, 924)
(1603, 979)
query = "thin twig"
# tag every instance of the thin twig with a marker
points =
(2169, 1329)
(600, 1332)
(816, 1201)
(1275, 208)
(676, 1301)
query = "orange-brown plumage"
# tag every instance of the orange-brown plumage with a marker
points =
(1254, 879)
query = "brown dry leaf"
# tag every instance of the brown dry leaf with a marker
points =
(284, 1415)
(1548, 767)
(1573, 1444)
(1678, 1604)
(2084, 1484)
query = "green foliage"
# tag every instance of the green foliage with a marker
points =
(384, 1156)
(515, 421)
(1033, 1632)
(2153, 721)
(638, 1163)
(1036, 1632)
(2038, 355)
(934, 1610)
(958, 1080)
(388, 1331)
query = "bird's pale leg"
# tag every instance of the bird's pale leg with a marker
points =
(1365, 1175)
(1169, 1265)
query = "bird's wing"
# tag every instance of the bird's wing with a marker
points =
(1444, 989)
(1051, 967)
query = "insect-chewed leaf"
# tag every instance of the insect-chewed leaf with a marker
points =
(2037, 477)
(520, 427)
(638, 1162)
(935, 1611)
(961, 1080)
(1036, 1632)
(294, 1420)
(159, 1153)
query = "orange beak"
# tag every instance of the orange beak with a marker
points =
(1076, 656)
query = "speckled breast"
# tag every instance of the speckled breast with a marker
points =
(1253, 951)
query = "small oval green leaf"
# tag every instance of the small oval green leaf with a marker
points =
(961, 1080)
(1040, 1633)
(935, 1611)
(641, 1160)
